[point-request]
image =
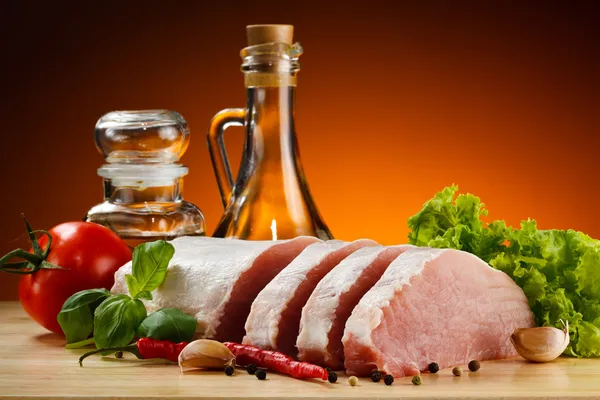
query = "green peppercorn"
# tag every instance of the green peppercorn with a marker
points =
(474, 365)
(353, 380)
(457, 371)
(332, 377)
(416, 380)
(388, 379)
(433, 368)
(376, 376)
(119, 354)
(261, 374)
(251, 369)
(229, 370)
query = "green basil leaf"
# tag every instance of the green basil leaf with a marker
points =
(168, 324)
(116, 320)
(144, 295)
(76, 318)
(149, 266)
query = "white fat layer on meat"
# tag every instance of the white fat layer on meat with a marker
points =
(200, 277)
(367, 315)
(262, 325)
(318, 314)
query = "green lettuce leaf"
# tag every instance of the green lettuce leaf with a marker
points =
(559, 270)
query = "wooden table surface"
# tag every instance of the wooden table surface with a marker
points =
(35, 364)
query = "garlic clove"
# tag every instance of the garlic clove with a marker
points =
(205, 354)
(541, 344)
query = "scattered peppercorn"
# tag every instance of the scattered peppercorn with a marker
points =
(416, 380)
(261, 374)
(332, 377)
(388, 379)
(474, 365)
(376, 376)
(251, 368)
(119, 354)
(327, 369)
(229, 370)
(457, 371)
(353, 380)
(433, 368)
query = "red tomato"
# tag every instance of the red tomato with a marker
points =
(91, 253)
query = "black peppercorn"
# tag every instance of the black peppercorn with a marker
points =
(332, 377)
(474, 365)
(119, 354)
(388, 379)
(376, 376)
(261, 374)
(433, 368)
(229, 370)
(251, 368)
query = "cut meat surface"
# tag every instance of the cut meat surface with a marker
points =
(434, 305)
(274, 319)
(216, 280)
(325, 314)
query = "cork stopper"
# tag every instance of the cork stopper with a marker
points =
(260, 34)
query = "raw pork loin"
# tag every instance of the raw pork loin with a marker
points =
(274, 319)
(325, 314)
(434, 305)
(216, 280)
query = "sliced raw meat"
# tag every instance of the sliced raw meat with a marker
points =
(216, 280)
(325, 314)
(274, 319)
(434, 305)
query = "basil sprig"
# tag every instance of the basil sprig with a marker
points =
(168, 324)
(116, 320)
(77, 315)
(149, 268)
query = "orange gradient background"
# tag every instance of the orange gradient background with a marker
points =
(395, 101)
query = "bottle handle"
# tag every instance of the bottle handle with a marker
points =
(216, 146)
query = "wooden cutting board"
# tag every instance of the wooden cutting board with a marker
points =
(35, 364)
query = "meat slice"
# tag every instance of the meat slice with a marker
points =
(434, 305)
(216, 280)
(325, 314)
(274, 319)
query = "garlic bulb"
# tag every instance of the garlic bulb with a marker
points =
(541, 344)
(205, 354)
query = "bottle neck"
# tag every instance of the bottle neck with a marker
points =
(143, 193)
(271, 139)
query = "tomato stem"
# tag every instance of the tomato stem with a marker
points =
(33, 261)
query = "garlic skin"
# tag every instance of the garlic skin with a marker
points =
(541, 344)
(205, 354)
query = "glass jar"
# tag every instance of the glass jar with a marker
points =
(143, 180)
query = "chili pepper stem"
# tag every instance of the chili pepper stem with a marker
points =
(132, 348)
(80, 344)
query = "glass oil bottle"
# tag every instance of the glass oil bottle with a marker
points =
(270, 198)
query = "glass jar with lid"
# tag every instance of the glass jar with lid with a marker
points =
(143, 179)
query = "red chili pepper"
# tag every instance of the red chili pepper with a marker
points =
(279, 362)
(146, 348)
